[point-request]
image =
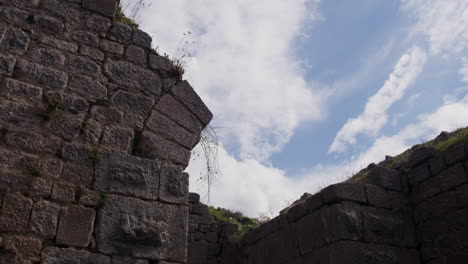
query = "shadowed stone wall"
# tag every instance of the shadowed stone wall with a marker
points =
(407, 213)
(95, 132)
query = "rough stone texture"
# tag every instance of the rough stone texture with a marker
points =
(76, 226)
(184, 92)
(122, 174)
(132, 227)
(152, 146)
(15, 213)
(105, 7)
(7, 63)
(344, 192)
(55, 255)
(133, 77)
(174, 185)
(44, 219)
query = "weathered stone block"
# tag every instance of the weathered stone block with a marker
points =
(420, 155)
(77, 174)
(394, 227)
(40, 187)
(10, 182)
(194, 197)
(92, 53)
(314, 202)
(133, 77)
(55, 255)
(177, 112)
(127, 260)
(7, 64)
(18, 41)
(436, 164)
(118, 138)
(462, 196)
(51, 168)
(87, 87)
(386, 199)
(80, 153)
(185, 93)
(131, 101)
(64, 10)
(49, 24)
(39, 74)
(344, 192)
(435, 206)
(76, 226)
(44, 219)
(86, 37)
(296, 212)
(152, 146)
(455, 154)
(164, 126)
(20, 91)
(65, 125)
(106, 115)
(27, 248)
(385, 178)
(112, 47)
(104, 7)
(33, 142)
(63, 192)
(132, 227)
(128, 175)
(419, 174)
(199, 209)
(98, 23)
(15, 213)
(312, 232)
(174, 185)
(83, 65)
(47, 56)
(135, 54)
(453, 177)
(344, 222)
(59, 44)
(160, 63)
(121, 32)
(141, 38)
(426, 189)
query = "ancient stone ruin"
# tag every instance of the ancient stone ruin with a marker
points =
(96, 130)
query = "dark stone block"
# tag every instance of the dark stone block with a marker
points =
(386, 178)
(59, 44)
(63, 192)
(76, 226)
(7, 64)
(455, 154)
(462, 196)
(420, 155)
(33, 142)
(132, 101)
(65, 125)
(15, 213)
(312, 232)
(82, 154)
(141, 229)
(127, 175)
(21, 91)
(40, 188)
(141, 38)
(86, 37)
(436, 164)
(112, 47)
(49, 24)
(44, 219)
(39, 74)
(344, 192)
(104, 7)
(47, 56)
(435, 206)
(87, 87)
(135, 54)
(199, 209)
(24, 247)
(121, 32)
(453, 177)
(194, 198)
(18, 41)
(174, 185)
(185, 93)
(118, 138)
(419, 174)
(344, 222)
(84, 65)
(177, 112)
(296, 212)
(426, 189)
(386, 199)
(160, 63)
(98, 23)
(152, 146)
(314, 202)
(55, 255)
(77, 174)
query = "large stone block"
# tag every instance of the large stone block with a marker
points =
(435, 206)
(394, 227)
(419, 174)
(65, 125)
(162, 125)
(121, 32)
(33, 142)
(39, 74)
(344, 222)
(344, 192)
(55, 255)
(426, 189)
(174, 185)
(141, 229)
(10, 182)
(24, 247)
(455, 153)
(59, 44)
(87, 87)
(20, 91)
(20, 114)
(80, 153)
(18, 41)
(185, 93)
(76, 226)
(312, 232)
(453, 177)
(134, 77)
(15, 213)
(152, 146)
(118, 138)
(128, 175)
(112, 47)
(385, 177)
(77, 174)
(106, 115)
(49, 24)
(104, 7)
(141, 38)
(83, 65)
(177, 112)
(98, 23)
(386, 199)
(137, 103)
(44, 219)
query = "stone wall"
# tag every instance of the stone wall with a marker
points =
(95, 132)
(412, 212)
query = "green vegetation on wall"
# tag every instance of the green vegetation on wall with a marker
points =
(243, 223)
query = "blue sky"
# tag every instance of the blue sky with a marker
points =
(307, 92)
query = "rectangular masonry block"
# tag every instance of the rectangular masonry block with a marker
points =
(152, 146)
(55, 255)
(15, 213)
(344, 192)
(76, 226)
(44, 219)
(184, 92)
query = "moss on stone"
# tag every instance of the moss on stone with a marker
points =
(122, 18)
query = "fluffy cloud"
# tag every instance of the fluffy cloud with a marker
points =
(243, 65)
(374, 117)
(253, 188)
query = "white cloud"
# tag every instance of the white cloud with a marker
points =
(243, 65)
(374, 116)
(464, 70)
(253, 188)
